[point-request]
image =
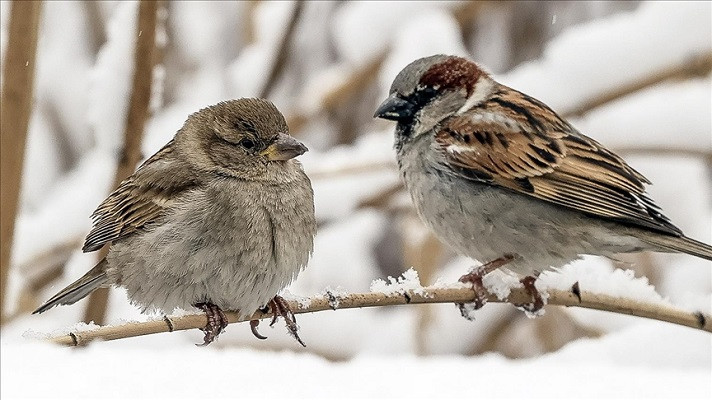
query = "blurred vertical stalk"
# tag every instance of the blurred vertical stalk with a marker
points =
(16, 99)
(135, 120)
(248, 21)
(282, 51)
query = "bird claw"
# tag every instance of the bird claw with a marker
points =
(475, 278)
(531, 309)
(217, 321)
(280, 308)
(253, 327)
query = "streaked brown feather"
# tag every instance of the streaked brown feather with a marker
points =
(138, 201)
(518, 143)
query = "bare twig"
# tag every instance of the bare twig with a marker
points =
(39, 272)
(696, 66)
(35, 269)
(362, 76)
(137, 115)
(352, 170)
(701, 153)
(17, 91)
(283, 50)
(248, 21)
(425, 295)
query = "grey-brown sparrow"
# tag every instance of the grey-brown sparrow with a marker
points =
(503, 179)
(221, 218)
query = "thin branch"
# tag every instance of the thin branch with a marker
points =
(429, 295)
(283, 50)
(331, 173)
(56, 256)
(701, 153)
(362, 76)
(248, 21)
(17, 91)
(135, 120)
(698, 65)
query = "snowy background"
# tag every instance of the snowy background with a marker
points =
(340, 60)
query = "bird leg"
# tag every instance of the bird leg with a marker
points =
(537, 301)
(475, 278)
(217, 321)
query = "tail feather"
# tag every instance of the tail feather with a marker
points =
(682, 244)
(92, 280)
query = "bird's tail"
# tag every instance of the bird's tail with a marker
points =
(682, 244)
(92, 280)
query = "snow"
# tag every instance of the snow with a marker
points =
(407, 351)
(383, 23)
(110, 79)
(599, 277)
(656, 36)
(671, 108)
(581, 369)
(407, 282)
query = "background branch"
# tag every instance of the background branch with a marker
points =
(330, 301)
(698, 65)
(283, 50)
(17, 91)
(135, 120)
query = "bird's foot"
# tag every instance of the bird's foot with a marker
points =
(279, 307)
(533, 309)
(475, 278)
(217, 321)
(478, 287)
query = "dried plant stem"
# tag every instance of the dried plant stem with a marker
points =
(283, 51)
(362, 76)
(425, 295)
(137, 116)
(698, 65)
(18, 81)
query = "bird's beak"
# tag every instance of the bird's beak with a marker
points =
(284, 147)
(395, 108)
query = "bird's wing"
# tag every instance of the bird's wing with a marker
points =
(139, 200)
(534, 152)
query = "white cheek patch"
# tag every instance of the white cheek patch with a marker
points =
(483, 89)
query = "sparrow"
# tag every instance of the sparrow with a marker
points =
(220, 218)
(501, 178)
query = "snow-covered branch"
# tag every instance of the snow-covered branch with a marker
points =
(402, 296)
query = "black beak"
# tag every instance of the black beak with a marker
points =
(396, 109)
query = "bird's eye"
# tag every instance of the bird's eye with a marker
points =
(247, 143)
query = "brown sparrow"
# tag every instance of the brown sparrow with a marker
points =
(221, 218)
(501, 178)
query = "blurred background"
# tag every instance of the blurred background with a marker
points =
(107, 94)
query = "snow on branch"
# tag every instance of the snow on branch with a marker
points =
(404, 291)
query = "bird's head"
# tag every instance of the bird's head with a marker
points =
(242, 138)
(431, 89)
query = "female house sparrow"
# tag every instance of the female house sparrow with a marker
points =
(502, 178)
(221, 218)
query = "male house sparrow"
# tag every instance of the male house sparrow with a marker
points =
(221, 218)
(503, 179)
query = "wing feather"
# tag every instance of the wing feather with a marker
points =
(139, 200)
(548, 160)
